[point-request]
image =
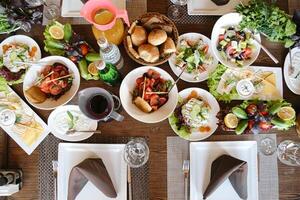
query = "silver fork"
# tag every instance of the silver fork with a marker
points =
(186, 171)
(55, 167)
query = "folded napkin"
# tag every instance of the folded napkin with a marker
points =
(225, 167)
(93, 170)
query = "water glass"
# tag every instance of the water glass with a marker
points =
(136, 152)
(51, 11)
(176, 11)
(288, 152)
(267, 146)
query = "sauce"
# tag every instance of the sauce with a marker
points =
(204, 128)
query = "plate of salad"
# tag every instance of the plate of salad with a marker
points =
(14, 51)
(233, 46)
(194, 55)
(195, 115)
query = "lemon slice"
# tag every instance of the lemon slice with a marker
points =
(92, 69)
(286, 113)
(56, 32)
(103, 17)
(231, 121)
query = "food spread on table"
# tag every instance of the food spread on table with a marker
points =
(225, 83)
(14, 61)
(258, 116)
(235, 45)
(53, 82)
(151, 91)
(192, 56)
(151, 40)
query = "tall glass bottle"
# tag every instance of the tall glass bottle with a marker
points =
(108, 73)
(110, 52)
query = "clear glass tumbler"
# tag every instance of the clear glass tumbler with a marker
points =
(288, 152)
(136, 152)
(176, 11)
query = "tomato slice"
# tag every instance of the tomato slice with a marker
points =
(55, 89)
(221, 37)
(154, 100)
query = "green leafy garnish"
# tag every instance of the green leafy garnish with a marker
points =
(269, 20)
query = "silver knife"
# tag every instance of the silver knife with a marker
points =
(55, 167)
(129, 182)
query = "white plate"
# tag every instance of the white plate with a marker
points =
(59, 126)
(292, 86)
(23, 39)
(202, 154)
(32, 76)
(71, 8)
(205, 95)
(207, 7)
(231, 19)
(70, 155)
(190, 77)
(128, 85)
(16, 137)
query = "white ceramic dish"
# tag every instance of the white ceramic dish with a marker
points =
(190, 77)
(58, 124)
(207, 7)
(70, 154)
(16, 136)
(128, 85)
(71, 8)
(227, 20)
(202, 154)
(32, 76)
(197, 135)
(293, 85)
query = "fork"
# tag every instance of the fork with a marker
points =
(186, 171)
(55, 167)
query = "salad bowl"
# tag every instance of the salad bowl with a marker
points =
(230, 49)
(126, 95)
(204, 58)
(33, 76)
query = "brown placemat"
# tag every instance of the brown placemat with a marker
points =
(194, 19)
(134, 8)
(48, 151)
(177, 151)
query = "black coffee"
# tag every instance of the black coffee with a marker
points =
(99, 105)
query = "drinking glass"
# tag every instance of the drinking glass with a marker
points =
(176, 11)
(51, 11)
(136, 152)
(34, 3)
(267, 146)
(288, 152)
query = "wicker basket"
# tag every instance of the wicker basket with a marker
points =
(174, 36)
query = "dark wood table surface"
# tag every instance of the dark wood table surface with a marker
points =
(289, 177)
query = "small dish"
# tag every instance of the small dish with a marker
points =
(292, 83)
(69, 117)
(196, 135)
(127, 88)
(32, 76)
(190, 77)
(226, 21)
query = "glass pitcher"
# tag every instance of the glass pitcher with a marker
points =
(106, 19)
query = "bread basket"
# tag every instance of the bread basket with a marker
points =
(174, 35)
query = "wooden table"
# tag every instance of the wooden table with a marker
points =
(289, 177)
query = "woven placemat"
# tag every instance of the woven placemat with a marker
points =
(134, 8)
(194, 19)
(49, 150)
(177, 151)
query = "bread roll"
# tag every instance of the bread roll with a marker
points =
(139, 36)
(157, 37)
(35, 95)
(142, 105)
(168, 47)
(148, 52)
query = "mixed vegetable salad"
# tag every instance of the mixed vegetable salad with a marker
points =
(62, 40)
(192, 55)
(235, 45)
(191, 114)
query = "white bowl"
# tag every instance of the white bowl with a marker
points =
(32, 76)
(187, 76)
(293, 84)
(215, 108)
(128, 85)
(231, 19)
